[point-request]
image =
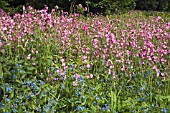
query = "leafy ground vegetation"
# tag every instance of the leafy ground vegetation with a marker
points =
(55, 62)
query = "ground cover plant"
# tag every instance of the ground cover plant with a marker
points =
(55, 62)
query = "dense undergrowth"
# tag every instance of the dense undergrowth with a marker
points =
(70, 63)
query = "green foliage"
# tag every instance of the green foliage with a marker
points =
(96, 6)
(163, 5)
(154, 5)
(4, 5)
(111, 6)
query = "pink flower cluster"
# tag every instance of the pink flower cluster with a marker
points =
(97, 38)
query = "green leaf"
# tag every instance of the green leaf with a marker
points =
(33, 106)
(31, 68)
(0, 69)
(49, 57)
(98, 87)
(49, 61)
(11, 94)
(18, 81)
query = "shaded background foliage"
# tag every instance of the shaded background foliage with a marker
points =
(95, 6)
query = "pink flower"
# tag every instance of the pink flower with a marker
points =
(23, 8)
(163, 60)
(112, 66)
(155, 68)
(80, 5)
(88, 66)
(75, 83)
(85, 61)
(103, 56)
(109, 71)
(123, 68)
(77, 76)
(4, 28)
(63, 64)
(159, 18)
(95, 41)
(85, 28)
(85, 9)
(56, 7)
(89, 76)
(163, 76)
(62, 60)
(29, 56)
(65, 67)
(84, 57)
(58, 71)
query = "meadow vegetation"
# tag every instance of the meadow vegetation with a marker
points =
(59, 62)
